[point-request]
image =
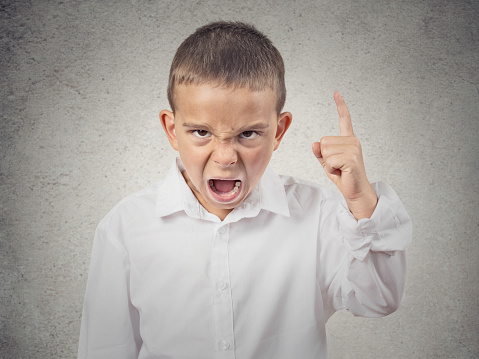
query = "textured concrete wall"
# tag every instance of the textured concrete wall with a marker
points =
(82, 83)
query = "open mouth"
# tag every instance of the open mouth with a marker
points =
(225, 189)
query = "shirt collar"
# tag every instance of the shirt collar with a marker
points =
(272, 195)
(174, 195)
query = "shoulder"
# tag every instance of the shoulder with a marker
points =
(305, 189)
(140, 204)
(308, 198)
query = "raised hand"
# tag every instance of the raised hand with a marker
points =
(342, 159)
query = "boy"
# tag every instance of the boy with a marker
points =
(224, 258)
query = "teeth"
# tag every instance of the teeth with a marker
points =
(237, 185)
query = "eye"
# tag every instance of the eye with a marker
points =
(249, 134)
(201, 133)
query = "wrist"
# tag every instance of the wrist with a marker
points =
(363, 206)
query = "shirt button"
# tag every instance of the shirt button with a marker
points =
(222, 286)
(225, 345)
(222, 230)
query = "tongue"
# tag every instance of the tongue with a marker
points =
(224, 185)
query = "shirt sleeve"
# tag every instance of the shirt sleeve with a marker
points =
(110, 323)
(371, 279)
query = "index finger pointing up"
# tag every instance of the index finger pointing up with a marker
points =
(345, 125)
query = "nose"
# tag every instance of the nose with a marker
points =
(225, 154)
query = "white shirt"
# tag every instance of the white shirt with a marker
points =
(170, 280)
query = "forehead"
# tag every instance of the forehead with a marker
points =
(205, 101)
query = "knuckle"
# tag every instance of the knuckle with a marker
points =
(329, 162)
(356, 141)
(356, 156)
(326, 151)
(325, 141)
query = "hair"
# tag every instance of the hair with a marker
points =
(228, 54)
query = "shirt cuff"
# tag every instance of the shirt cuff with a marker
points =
(388, 230)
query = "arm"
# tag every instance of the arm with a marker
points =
(375, 270)
(110, 324)
(368, 278)
(363, 263)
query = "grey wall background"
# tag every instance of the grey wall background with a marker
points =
(82, 83)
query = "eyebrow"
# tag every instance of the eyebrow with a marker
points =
(194, 125)
(258, 125)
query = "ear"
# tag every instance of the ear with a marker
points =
(284, 120)
(167, 119)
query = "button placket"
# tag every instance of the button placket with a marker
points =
(222, 298)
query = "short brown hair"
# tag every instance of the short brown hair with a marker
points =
(229, 54)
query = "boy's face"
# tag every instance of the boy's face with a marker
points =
(225, 138)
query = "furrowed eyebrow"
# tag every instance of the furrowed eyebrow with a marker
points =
(195, 125)
(249, 127)
(255, 126)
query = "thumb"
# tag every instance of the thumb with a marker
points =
(317, 152)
